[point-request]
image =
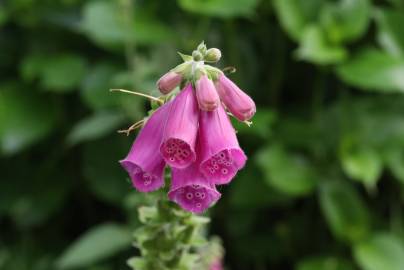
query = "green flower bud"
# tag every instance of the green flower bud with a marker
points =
(202, 48)
(213, 55)
(197, 56)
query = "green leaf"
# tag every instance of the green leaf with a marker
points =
(295, 15)
(383, 251)
(105, 24)
(324, 263)
(344, 211)
(25, 118)
(373, 69)
(397, 3)
(94, 127)
(59, 73)
(62, 73)
(345, 20)
(98, 243)
(361, 162)
(390, 30)
(185, 57)
(220, 8)
(315, 47)
(394, 159)
(138, 263)
(95, 88)
(288, 173)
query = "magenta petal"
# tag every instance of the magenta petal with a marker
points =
(235, 100)
(144, 162)
(191, 190)
(178, 147)
(221, 154)
(206, 94)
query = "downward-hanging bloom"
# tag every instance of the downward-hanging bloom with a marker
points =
(168, 82)
(191, 190)
(206, 94)
(144, 163)
(221, 154)
(178, 146)
(235, 100)
(195, 118)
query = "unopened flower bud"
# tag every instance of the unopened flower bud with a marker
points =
(206, 94)
(197, 56)
(202, 48)
(213, 55)
(236, 101)
(168, 82)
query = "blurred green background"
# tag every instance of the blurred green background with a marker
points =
(323, 187)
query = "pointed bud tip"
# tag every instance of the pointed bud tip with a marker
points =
(197, 56)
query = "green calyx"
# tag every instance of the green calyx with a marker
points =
(195, 66)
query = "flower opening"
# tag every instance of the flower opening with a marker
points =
(191, 190)
(221, 154)
(178, 146)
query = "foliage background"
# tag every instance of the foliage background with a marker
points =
(323, 188)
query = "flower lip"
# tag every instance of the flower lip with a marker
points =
(144, 163)
(141, 180)
(194, 198)
(191, 190)
(223, 165)
(177, 153)
(178, 144)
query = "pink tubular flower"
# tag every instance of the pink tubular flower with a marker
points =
(235, 100)
(221, 154)
(216, 265)
(191, 190)
(168, 82)
(144, 162)
(178, 145)
(206, 94)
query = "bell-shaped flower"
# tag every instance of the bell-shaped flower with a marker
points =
(191, 190)
(168, 82)
(144, 163)
(206, 94)
(178, 145)
(235, 100)
(221, 155)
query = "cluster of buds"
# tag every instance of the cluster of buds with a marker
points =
(192, 134)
